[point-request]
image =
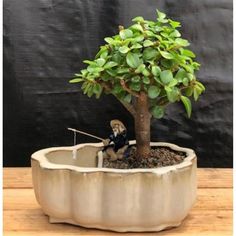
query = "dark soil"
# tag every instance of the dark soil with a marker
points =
(161, 156)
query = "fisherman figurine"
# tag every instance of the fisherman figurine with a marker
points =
(119, 138)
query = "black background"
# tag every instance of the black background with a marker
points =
(45, 42)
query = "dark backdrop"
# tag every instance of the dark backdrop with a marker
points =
(45, 42)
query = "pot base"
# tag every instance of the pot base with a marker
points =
(120, 229)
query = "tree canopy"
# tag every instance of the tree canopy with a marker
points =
(148, 56)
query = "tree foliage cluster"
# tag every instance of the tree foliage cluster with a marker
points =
(148, 57)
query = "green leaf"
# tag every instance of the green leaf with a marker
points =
(110, 64)
(153, 92)
(93, 69)
(149, 54)
(140, 69)
(201, 85)
(185, 81)
(196, 93)
(84, 72)
(124, 34)
(166, 55)
(157, 112)
(98, 94)
(77, 80)
(173, 95)
(161, 15)
(137, 27)
(167, 63)
(135, 79)
(182, 42)
(122, 70)
(166, 76)
(173, 82)
(79, 75)
(181, 74)
(188, 91)
(197, 90)
(133, 60)
(97, 89)
(162, 20)
(100, 62)
(188, 68)
(174, 24)
(138, 19)
(104, 54)
(156, 70)
(147, 43)
(175, 34)
(135, 86)
(139, 38)
(150, 33)
(190, 76)
(183, 57)
(85, 90)
(187, 104)
(136, 45)
(158, 28)
(117, 89)
(165, 35)
(117, 57)
(121, 95)
(103, 49)
(109, 40)
(124, 49)
(84, 85)
(146, 80)
(157, 79)
(196, 65)
(111, 72)
(106, 77)
(188, 53)
(127, 98)
(90, 91)
(145, 72)
(92, 63)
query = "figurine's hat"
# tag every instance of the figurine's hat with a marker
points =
(117, 122)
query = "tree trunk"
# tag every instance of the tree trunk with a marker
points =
(142, 126)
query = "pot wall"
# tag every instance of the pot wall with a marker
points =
(119, 200)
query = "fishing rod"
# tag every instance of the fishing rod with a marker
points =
(81, 132)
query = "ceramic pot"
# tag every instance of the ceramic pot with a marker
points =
(76, 191)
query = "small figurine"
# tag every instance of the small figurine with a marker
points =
(119, 138)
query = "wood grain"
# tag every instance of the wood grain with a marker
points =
(211, 215)
(196, 221)
(165, 233)
(215, 178)
(17, 178)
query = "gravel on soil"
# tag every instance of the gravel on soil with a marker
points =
(158, 157)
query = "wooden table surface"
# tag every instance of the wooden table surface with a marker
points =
(211, 215)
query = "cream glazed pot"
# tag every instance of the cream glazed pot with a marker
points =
(74, 190)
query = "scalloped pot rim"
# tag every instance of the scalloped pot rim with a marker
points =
(40, 156)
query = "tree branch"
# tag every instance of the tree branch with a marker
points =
(105, 86)
(127, 105)
(122, 83)
(162, 101)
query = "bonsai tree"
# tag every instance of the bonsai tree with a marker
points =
(147, 66)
